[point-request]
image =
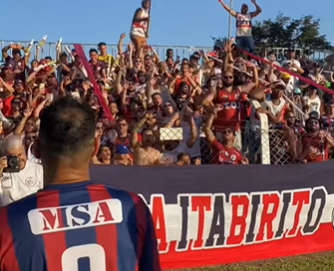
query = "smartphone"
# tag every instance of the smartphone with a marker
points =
(49, 97)
(170, 134)
(213, 83)
(42, 88)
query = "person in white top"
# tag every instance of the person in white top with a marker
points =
(244, 38)
(312, 102)
(16, 185)
(139, 26)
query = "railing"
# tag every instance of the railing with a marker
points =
(182, 51)
(49, 48)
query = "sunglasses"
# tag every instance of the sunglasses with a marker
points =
(168, 105)
(228, 77)
(227, 131)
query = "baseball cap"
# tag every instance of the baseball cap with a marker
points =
(196, 55)
(18, 82)
(297, 91)
(313, 115)
(285, 75)
(121, 149)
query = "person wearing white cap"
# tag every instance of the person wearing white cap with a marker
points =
(273, 105)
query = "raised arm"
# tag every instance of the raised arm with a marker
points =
(257, 11)
(227, 8)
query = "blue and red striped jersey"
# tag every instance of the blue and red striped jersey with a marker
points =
(78, 227)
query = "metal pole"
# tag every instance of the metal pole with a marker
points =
(230, 21)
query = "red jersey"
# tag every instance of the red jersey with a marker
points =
(7, 106)
(225, 155)
(123, 141)
(233, 112)
(318, 150)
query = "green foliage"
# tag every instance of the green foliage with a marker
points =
(288, 33)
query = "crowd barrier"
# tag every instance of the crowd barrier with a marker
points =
(49, 49)
(217, 215)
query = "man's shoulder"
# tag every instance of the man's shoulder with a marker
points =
(123, 195)
(34, 165)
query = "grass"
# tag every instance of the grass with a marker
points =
(311, 262)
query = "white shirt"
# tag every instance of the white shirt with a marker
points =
(244, 25)
(17, 185)
(139, 28)
(314, 104)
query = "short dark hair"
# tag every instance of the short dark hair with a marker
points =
(102, 44)
(92, 51)
(67, 127)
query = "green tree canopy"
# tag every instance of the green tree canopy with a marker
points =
(286, 32)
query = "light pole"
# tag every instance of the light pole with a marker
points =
(230, 21)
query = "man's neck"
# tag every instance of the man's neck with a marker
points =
(229, 144)
(313, 134)
(106, 161)
(228, 89)
(63, 175)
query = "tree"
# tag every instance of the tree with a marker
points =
(288, 33)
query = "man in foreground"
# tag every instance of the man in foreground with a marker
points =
(73, 224)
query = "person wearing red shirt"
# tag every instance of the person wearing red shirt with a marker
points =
(17, 94)
(315, 143)
(223, 152)
(229, 99)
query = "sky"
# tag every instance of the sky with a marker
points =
(173, 22)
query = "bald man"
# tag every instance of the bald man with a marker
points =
(29, 176)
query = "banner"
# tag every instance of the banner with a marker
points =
(80, 52)
(301, 78)
(213, 215)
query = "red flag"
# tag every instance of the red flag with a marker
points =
(80, 52)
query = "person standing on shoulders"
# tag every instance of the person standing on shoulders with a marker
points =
(139, 27)
(19, 177)
(244, 38)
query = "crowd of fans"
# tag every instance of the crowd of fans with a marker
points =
(176, 111)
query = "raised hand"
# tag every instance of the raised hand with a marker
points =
(28, 111)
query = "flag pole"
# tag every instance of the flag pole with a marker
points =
(149, 14)
(230, 21)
